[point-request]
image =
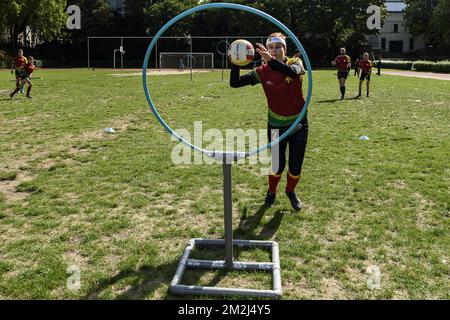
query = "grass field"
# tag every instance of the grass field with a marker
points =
(116, 207)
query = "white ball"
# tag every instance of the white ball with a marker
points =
(241, 52)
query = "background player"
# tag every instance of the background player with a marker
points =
(24, 75)
(17, 66)
(343, 63)
(366, 71)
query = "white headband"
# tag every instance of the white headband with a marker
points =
(276, 40)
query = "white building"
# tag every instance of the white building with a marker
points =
(394, 40)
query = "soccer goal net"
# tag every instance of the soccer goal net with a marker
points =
(186, 60)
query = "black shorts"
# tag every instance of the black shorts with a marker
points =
(23, 75)
(364, 75)
(297, 142)
(342, 74)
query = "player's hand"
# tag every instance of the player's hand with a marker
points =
(265, 55)
(333, 63)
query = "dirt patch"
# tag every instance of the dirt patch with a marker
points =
(75, 258)
(8, 188)
(332, 289)
(399, 184)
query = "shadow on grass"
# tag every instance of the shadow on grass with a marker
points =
(249, 224)
(147, 279)
(328, 101)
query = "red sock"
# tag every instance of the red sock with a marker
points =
(273, 182)
(28, 91)
(291, 182)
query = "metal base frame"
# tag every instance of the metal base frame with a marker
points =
(228, 264)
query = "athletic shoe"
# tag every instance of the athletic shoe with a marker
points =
(341, 98)
(270, 199)
(29, 97)
(358, 96)
(295, 201)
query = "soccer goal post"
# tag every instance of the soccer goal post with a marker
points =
(186, 60)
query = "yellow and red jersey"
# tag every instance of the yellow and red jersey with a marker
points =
(284, 94)
(29, 68)
(20, 62)
(342, 62)
(365, 65)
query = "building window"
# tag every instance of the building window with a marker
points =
(396, 47)
(395, 28)
(411, 44)
(383, 43)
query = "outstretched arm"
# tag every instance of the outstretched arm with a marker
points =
(237, 81)
(289, 70)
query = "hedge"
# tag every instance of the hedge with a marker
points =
(425, 66)
(429, 66)
(401, 65)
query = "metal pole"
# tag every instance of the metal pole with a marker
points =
(89, 59)
(121, 53)
(156, 56)
(226, 60)
(228, 214)
(223, 62)
(190, 53)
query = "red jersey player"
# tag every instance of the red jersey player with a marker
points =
(281, 79)
(366, 70)
(18, 64)
(343, 63)
(24, 75)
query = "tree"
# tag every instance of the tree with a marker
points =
(441, 23)
(418, 15)
(430, 18)
(322, 24)
(157, 13)
(96, 19)
(47, 17)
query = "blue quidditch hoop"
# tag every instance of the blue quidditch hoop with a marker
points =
(233, 6)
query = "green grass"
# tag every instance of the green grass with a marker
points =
(120, 210)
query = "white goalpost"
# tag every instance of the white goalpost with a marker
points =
(186, 60)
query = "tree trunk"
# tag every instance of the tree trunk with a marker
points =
(13, 37)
